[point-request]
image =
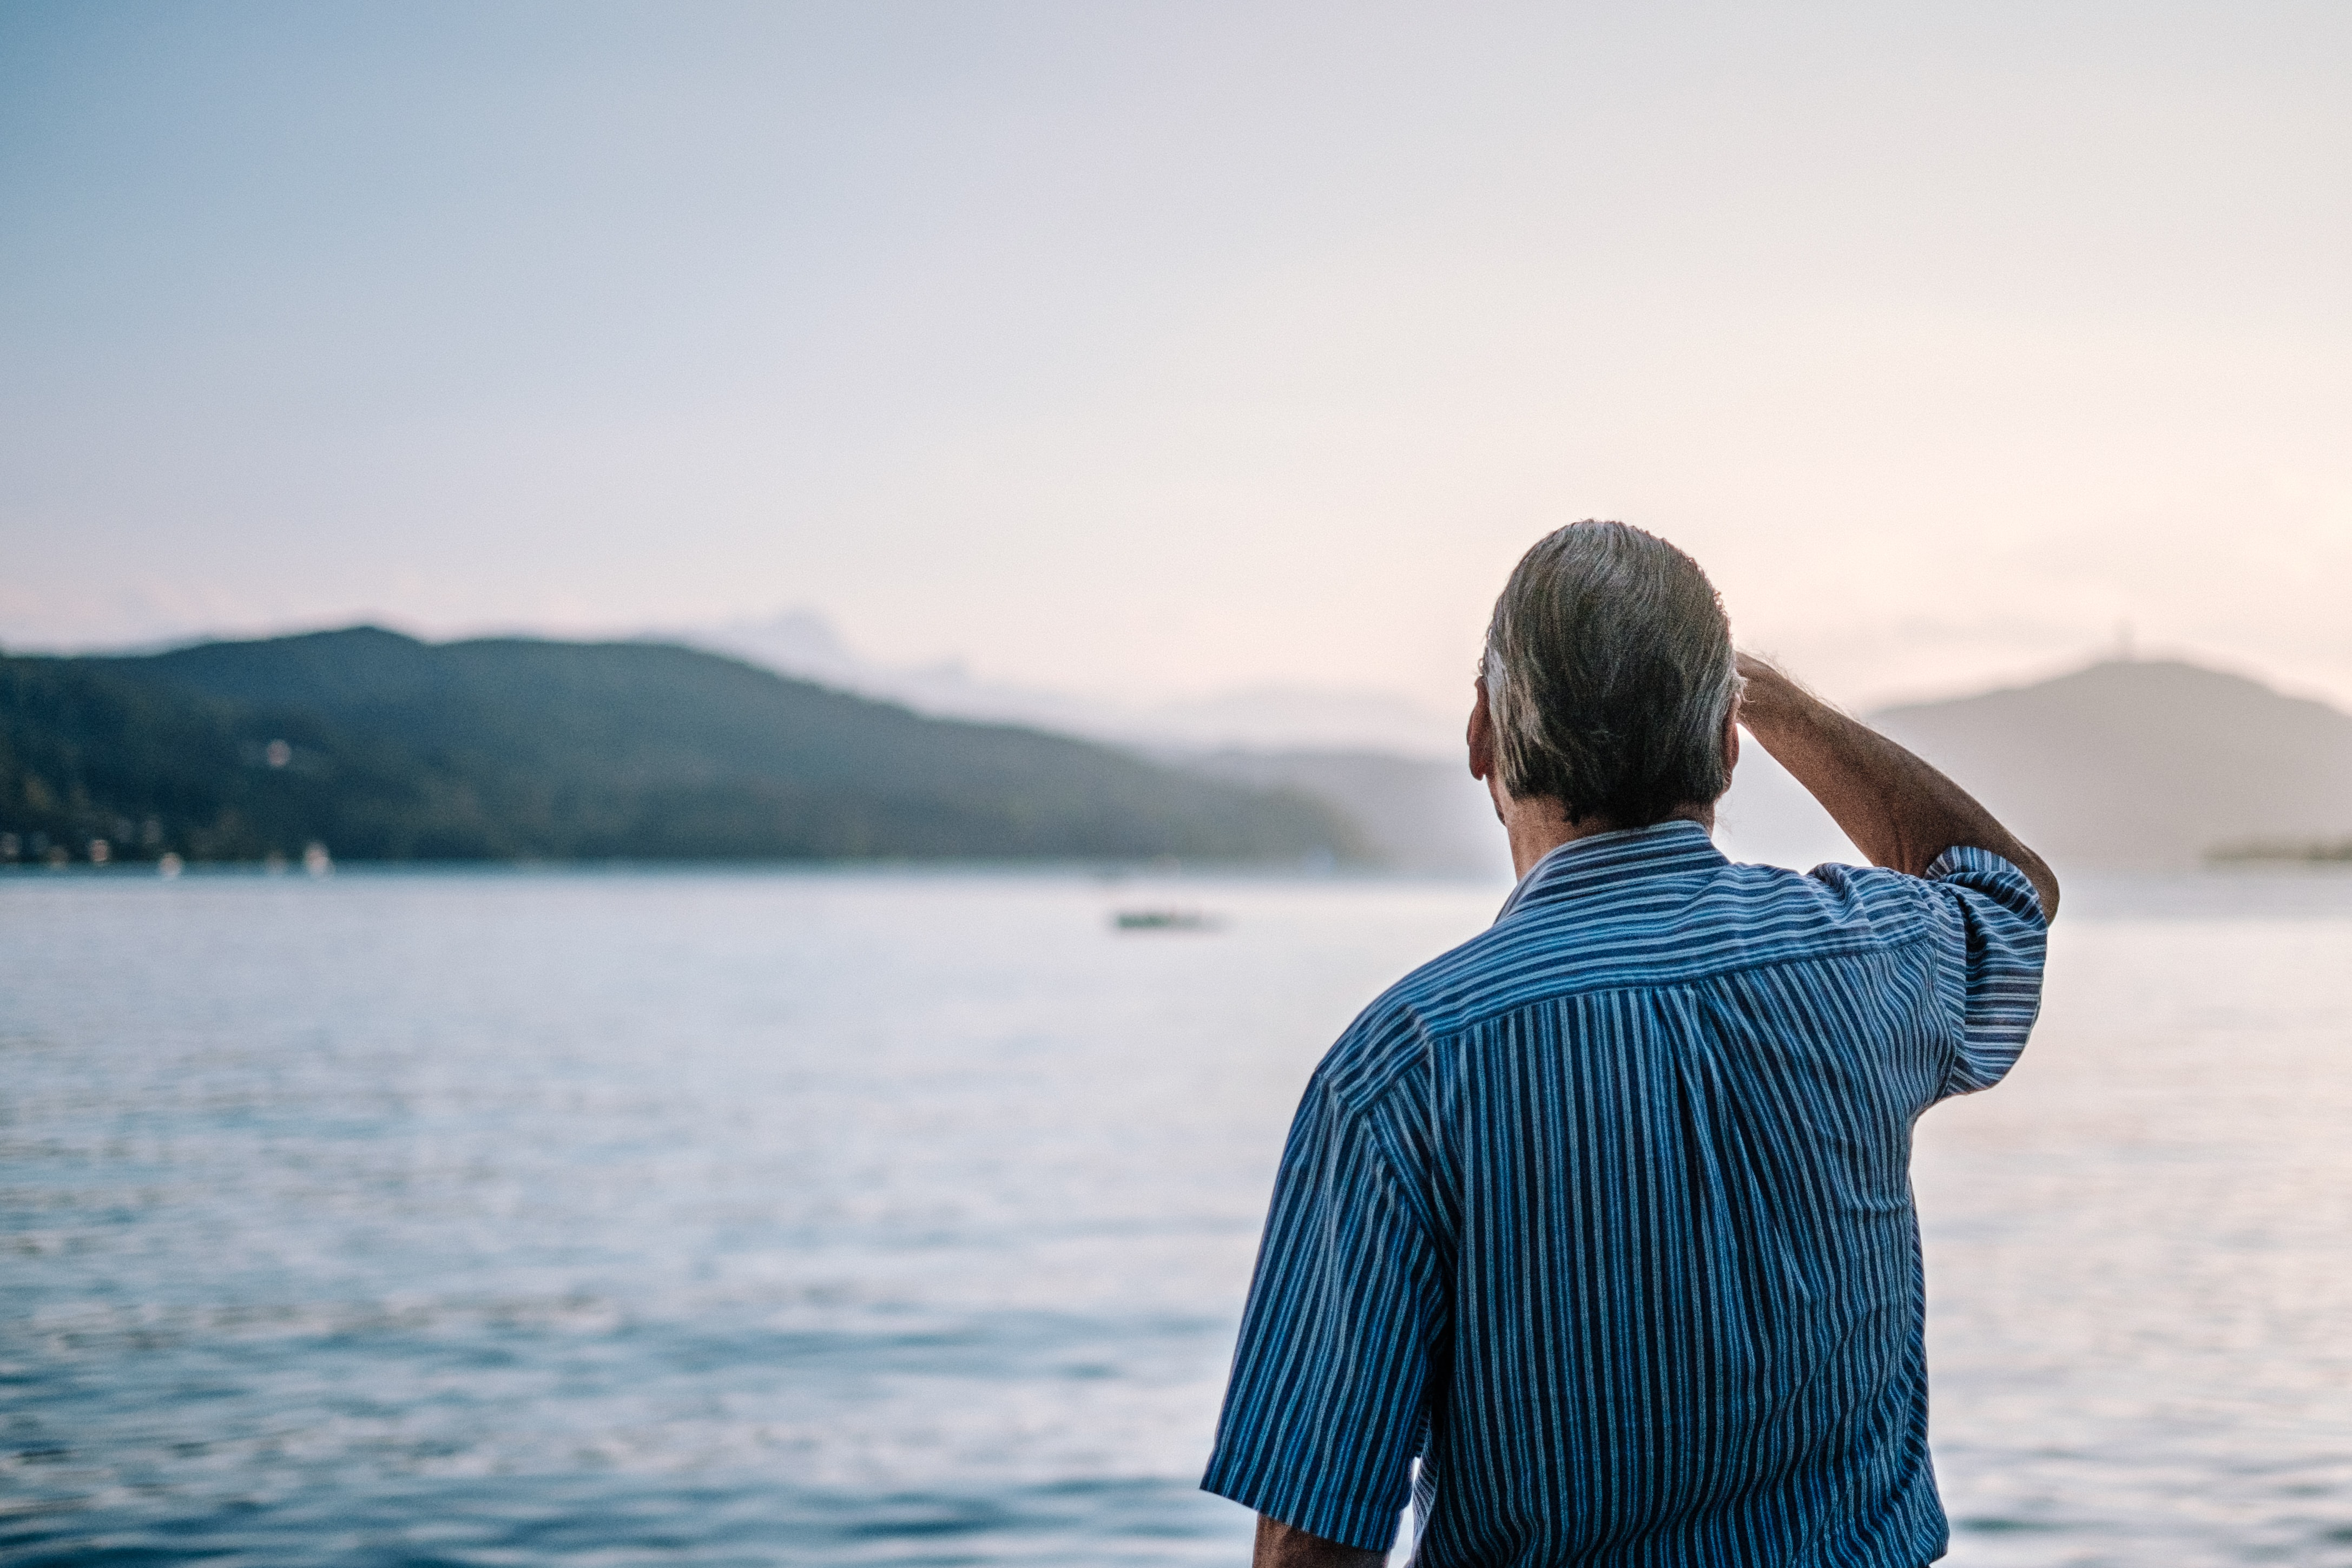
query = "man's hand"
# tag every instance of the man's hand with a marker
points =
(1280, 1545)
(1897, 810)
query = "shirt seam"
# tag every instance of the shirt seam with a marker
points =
(1359, 1121)
(1842, 950)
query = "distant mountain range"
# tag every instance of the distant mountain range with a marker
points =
(2125, 762)
(381, 747)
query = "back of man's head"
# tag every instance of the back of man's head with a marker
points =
(1610, 673)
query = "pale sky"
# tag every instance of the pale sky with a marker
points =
(1157, 349)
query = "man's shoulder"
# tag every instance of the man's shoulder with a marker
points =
(1668, 931)
(1392, 1035)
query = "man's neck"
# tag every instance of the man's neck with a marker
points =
(1539, 824)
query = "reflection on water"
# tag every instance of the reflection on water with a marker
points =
(2140, 1250)
(775, 1219)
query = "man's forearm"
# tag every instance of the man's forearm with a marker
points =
(1898, 810)
(1281, 1545)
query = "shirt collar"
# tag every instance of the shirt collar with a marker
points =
(1662, 848)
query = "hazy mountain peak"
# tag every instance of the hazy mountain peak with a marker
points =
(1271, 715)
(2143, 761)
(2116, 685)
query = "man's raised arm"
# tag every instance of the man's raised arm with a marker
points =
(1898, 810)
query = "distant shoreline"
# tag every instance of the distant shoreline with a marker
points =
(2311, 854)
(1104, 871)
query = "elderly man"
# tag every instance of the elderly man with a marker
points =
(1606, 1216)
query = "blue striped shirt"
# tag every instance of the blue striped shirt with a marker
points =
(1606, 1218)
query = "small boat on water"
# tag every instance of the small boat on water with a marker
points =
(1162, 920)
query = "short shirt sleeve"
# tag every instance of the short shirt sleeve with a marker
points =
(1992, 938)
(1324, 1408)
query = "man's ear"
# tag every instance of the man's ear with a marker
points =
(1481, 736)
(1730, 742)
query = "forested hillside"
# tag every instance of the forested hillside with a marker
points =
(383, 747)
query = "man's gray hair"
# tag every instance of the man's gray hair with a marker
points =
(1608, 673)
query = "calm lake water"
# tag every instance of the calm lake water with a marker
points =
(704, 1219)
